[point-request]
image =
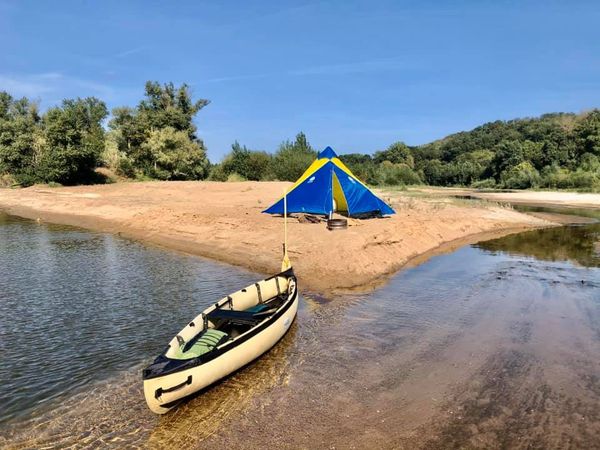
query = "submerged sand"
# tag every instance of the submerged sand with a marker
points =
(223, 221)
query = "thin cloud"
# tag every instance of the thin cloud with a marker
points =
(239, 77)
(23, 86)
(55, 83)
(130, 52)
(375, 65)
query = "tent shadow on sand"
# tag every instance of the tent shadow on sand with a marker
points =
(328, 186)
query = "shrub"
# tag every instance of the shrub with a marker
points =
(125, 167)
(521, 176)
(252, 165)
(397, 153)
(7, 180)
(235, 177)
(217, 173)
(362, 166)
(397, 174)
(488, 183)
(292, 159)
(581, 179)
(175, 156)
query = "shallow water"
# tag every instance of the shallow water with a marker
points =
(494, 345)
(77, 307)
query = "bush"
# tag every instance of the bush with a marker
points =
(25, 179)
(125, 167)
(555, 177)
(217, 173)
(111, 155)
(7, 180)
(397, 153)
(362, 166)
(292, 159)
(235, 177)
(252, 165)
(521, 176)
(74, 141)
(175, 156)
(583, 180)
(488, 183)
(590, 162)
(397, 174)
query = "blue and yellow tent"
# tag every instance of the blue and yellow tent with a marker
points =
(328, 186)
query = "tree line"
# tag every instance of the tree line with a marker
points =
(157, 139)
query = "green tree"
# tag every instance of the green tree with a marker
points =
(249, 164)
(74, 141)
(259, 166)
(293, 158)
(362, 166)
(590, 162)
(129, 130)
(169, 106)
(236, 161)
(533, 152)
(588, 133)
(472, 166)
(217, 173)
(521, 176)
(163, 106)
(507, 154)
(20, 138)
(397, 174)
(397, 153)
(175, 156)
(435, 172)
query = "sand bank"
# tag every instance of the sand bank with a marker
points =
(223, 221)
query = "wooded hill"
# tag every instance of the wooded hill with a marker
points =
(559, 150)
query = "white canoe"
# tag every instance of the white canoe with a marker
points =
(223, 338)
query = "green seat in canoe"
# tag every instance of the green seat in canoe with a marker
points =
(205, 343)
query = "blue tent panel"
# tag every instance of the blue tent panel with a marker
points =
(360, 200)
(313, 195)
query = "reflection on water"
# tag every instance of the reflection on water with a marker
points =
(576, 243)
(571, 211)
(494, 345)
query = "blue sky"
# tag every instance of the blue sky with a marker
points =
(356, 75)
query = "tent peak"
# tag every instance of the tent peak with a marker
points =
(327, 153)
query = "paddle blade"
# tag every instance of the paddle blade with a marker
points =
(286, 263)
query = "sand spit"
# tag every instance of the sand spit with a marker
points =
(223, 221)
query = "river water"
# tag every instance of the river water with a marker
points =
(494, 345)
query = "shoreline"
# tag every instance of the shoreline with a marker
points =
(184, 219)
(181, 246)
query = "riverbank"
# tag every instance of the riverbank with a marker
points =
(223, 221)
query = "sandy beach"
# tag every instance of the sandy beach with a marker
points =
(223, 221)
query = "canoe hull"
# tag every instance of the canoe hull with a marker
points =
(162, 393)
